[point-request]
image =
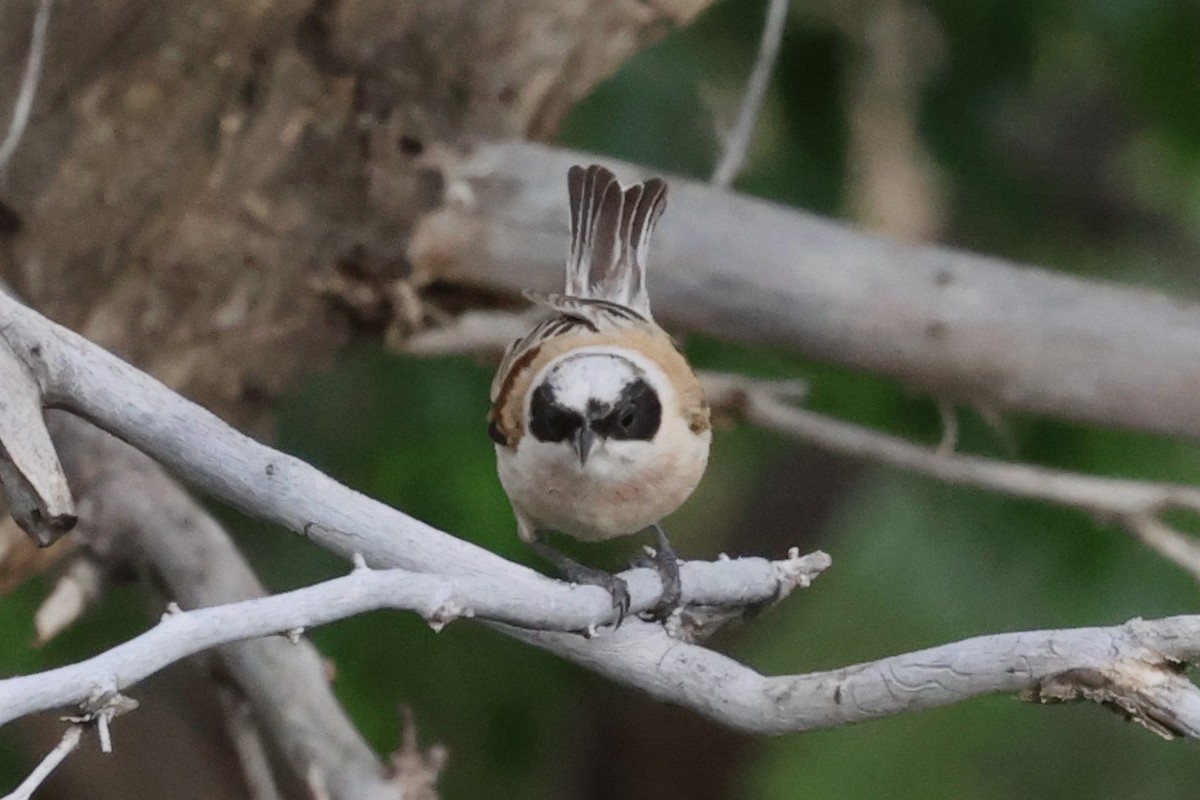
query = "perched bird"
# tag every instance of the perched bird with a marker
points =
(601, 427)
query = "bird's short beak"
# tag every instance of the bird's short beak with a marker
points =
(584, 439)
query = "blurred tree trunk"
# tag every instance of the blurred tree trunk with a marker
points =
(196, 176)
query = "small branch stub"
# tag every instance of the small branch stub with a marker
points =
(101, 708)
(799, 571)
(446, 612)
(695, 623)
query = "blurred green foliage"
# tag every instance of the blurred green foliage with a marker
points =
(1065, 133)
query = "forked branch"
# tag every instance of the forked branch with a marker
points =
(1135, 667)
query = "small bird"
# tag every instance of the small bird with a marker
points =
(601, 427)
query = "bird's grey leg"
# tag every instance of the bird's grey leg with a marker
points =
(666, 564)
(575, 572)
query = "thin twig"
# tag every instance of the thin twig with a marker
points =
(64, 748)
(949, 416)
(29, 84)
(737, 143)
(248, 743)
(1135, 505)
(416, 771)
(1160, 537)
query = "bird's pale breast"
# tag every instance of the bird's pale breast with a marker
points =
(625, 486)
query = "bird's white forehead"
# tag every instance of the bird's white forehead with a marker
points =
(599, 372)
(581, 378)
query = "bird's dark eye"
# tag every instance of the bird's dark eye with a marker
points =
(637, 415)
(548, 421)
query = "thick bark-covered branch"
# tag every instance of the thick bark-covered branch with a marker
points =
(1136, 667)
(967, 327)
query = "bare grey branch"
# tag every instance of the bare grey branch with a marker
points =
(449, 577)
(93, 383)
(1137, 662)
(439, 599)
(976, 330)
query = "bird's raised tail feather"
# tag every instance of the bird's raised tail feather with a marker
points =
(610, 234)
